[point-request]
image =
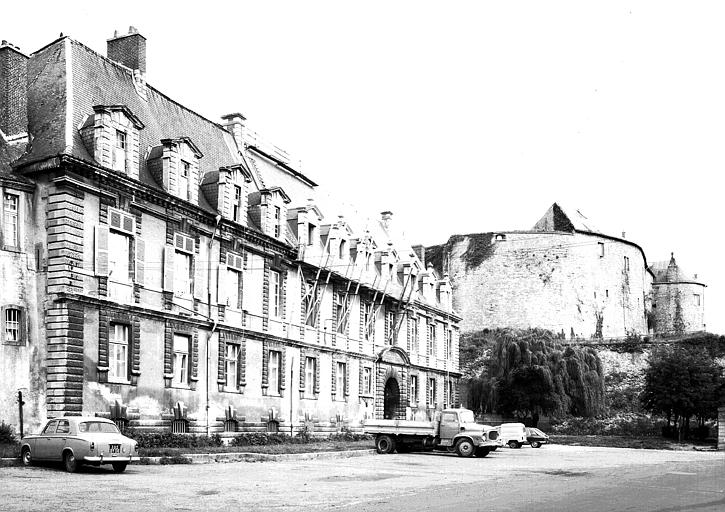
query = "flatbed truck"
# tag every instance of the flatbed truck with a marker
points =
(451, 430)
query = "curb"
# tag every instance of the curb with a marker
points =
(211, 458)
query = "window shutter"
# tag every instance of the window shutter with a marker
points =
(121, 221)
(101, 257)
(199, 275)
(128, 223)
(140, 277)
(114, 219)
(222, 291)
(169, 253)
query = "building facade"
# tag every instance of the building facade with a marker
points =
(563, 275)
(172, 272)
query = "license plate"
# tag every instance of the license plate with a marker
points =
(114, 448)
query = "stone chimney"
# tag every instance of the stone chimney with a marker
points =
(129, 50)
(387, 219)
(235, 123)
(13, 90)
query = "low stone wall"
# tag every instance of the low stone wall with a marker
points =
(721, 429)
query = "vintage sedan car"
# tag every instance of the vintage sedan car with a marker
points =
(536, 437)
(77, 440)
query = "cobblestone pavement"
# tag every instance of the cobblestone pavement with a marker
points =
(553, 478)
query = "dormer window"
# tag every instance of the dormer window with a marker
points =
(111, 135)
(184, 180)
(120, 156)
(311, 234)
(342, 253)
(277, 226)
(175, 165)
(237, 205)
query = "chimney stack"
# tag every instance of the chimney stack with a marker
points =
(13, 90)
(234, 123)
(387, 219)
(129, 50)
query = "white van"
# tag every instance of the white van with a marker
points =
(512, 434)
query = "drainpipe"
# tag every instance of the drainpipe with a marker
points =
(214, 326)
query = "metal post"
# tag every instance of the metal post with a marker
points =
(20, 412)
(291, 394)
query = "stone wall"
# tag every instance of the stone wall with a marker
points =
(578, 284)
(721, 428)
(678, 307)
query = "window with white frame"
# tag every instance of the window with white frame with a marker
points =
(310, 373)
(233, 284)
(311, 234)
(431, 391)
(340, 315)
(367, 388)
(450, 394)
(13, 319)
(231, 366)
(697, 299)
(431, 338)
(118, 257)
(390, 324)
(182, 274)
(414, 334)
(341, 369)
(237, 206)
(275, 288)
(118, 352)
(414, 389)
(601, 249)
(342, 251)
(449, 344)
(11, 233)
(119, 151)
(181, 359)
(626, 263)
(369, 324)
(274, 369)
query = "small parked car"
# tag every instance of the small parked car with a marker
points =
(536, 437)
(512, 434)
(78, 440)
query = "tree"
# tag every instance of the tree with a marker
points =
(529, 373)
(680, 383)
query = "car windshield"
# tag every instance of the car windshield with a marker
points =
(98, 426)
(466, 417)
(536, 432)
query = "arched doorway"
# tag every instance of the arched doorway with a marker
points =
(391, 399)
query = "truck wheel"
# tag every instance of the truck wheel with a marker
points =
(465, 448)
(513, 444)
(482, 452)
(535, 444)
(385, 444)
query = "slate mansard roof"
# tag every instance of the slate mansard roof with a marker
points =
(72, 79)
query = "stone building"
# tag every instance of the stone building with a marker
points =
(563, 275)
(173, 272)
(678, 299)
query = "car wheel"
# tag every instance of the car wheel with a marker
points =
(465, 448)
(119, 467)
(535, 444)
(70, 462)
(513, 444)
(385, 444)
(25, 456)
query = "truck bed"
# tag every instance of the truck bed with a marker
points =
(401, 427)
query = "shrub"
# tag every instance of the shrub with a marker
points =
(631, 425)
(702, 432)
(169, 440)
(7, 433)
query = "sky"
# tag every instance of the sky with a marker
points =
(458, 116)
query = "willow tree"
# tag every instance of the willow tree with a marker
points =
(530, 373)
